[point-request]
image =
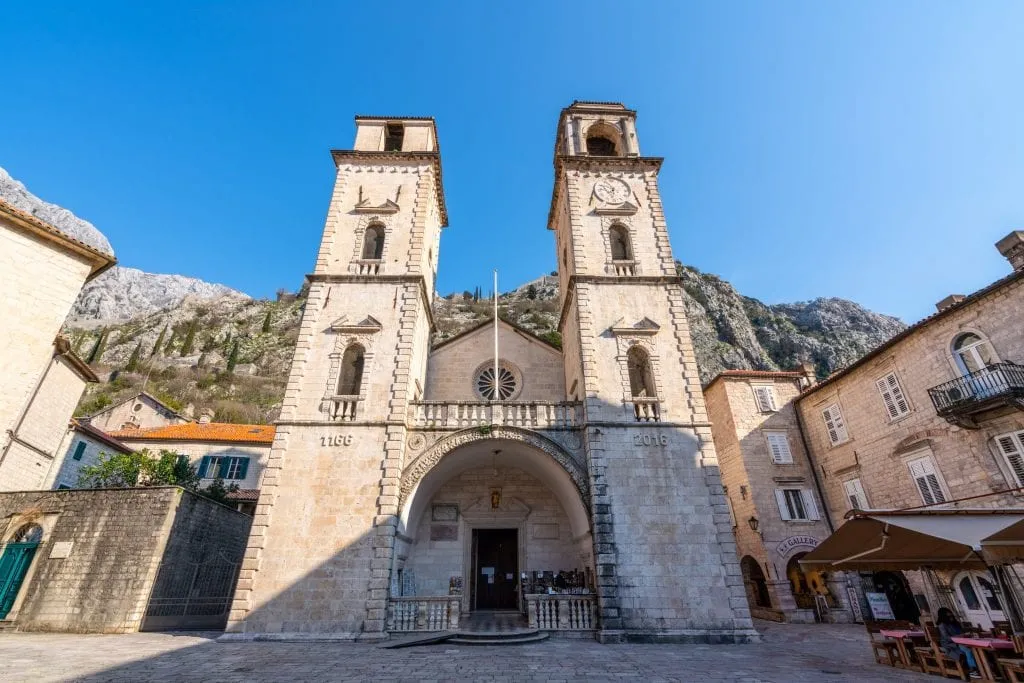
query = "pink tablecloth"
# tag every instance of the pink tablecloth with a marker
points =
(900, 635)
(988, 643)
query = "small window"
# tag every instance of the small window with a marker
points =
(600, 146)
(1011, 447)
(62, 487)
(778, 446)
(895, 401)
(796, 504)
(137, 407)
(373, 242)
(502, 390)
(929, 485)
(351, 379)
(973, 353)
(224, 467)
(641, 379)
(619, 238)
(855, 494)
(765, 395)
(30, 533)
(79, 450)
(393, 137)
(834, 424)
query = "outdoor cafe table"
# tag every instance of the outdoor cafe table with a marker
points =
(898, 636)
(982, 647)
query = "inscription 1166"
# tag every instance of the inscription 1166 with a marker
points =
(336, 440)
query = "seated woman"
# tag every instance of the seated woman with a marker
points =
(949, 627)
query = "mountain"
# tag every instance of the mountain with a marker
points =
(127, 293)
(17, 195)
(182, 352)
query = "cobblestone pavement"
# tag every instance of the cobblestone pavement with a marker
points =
(789, 653)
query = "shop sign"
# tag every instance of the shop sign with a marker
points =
(788, 545)
(879, 604)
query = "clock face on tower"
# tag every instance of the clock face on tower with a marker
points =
(611, 190)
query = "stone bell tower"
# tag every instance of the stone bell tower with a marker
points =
(664, 546)
(321, 546)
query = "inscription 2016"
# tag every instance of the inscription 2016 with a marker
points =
(336, 440)
(650, 439)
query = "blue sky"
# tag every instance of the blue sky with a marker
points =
(868, 150)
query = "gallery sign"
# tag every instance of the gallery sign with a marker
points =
(788, 545)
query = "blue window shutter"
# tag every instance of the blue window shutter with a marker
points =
(204, 465)
(243, 468)
(79, 450)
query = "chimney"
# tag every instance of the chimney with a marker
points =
(206, 417)
(1012, 247)
(951, 300)
(810, 377)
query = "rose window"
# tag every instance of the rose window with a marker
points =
(506, 384)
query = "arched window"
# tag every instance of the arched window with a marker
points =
(621, 249)
(972, 352)
(30, 533)
(351, 380)
(641, 379)
(600, 146)
(373, 242)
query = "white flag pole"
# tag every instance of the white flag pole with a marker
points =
(497, 383)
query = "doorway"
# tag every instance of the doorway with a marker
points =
(978, 599)
(495, 569)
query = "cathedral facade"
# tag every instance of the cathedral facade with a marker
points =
(411, 487)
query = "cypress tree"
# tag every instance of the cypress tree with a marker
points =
(190, 339)
(266, 322)
(233, 358)
(97, 351)
(133, 361)
(159, 342)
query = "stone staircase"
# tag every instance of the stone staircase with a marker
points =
(481, 628)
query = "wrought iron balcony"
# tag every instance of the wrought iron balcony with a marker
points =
(960, 400)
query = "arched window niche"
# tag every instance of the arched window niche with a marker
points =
(641, 377)
(350, 381)
(622, 249)
(972, 352)
(373, 242)
(604, 140)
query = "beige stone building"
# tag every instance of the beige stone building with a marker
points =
(141, 411)
(42, 270)
(933, 417)
(773, 494)
(33, 444)
(235, 453)
(412, 488)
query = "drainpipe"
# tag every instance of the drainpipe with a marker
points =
(12, 434)
(814, 467)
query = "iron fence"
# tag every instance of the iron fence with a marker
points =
(1002, 380)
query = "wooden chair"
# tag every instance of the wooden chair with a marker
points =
(1013, 667)
(885, 650)
(934, 661)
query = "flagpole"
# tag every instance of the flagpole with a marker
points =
(497, 383)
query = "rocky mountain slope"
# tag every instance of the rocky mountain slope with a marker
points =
(127, 293)
(230, 354)
(16, 194)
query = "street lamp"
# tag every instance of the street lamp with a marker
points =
(753, 524)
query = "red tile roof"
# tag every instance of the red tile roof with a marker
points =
(100, 436)
(198, 431)
(244, 495)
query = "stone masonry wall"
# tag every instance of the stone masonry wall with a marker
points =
(41, 283)
(878, 448)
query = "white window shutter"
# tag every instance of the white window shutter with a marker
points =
(890, 405)
(896, 404)
(927, 479)
(778, 446)
(1012, 448)
(765, 398)
(855, 494)
(834, 424)
(780, 498)
(810, 507)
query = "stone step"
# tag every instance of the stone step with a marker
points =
(418, 639)
(502, 638)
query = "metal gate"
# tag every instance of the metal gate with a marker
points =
(191, 596)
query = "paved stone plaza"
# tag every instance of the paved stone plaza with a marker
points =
(789, 653)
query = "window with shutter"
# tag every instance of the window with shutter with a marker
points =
(796, 504)
(855, 494)
(1011, 446)
(780, 498)
(810, 506)
(927, 479)
(778, 446)
(765, 396)
(834, 424)
(895, 401)
(79, 450)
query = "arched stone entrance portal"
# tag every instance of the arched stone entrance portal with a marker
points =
(489, 517)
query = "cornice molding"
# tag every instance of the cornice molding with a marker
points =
(340, 278)
(650, 280)
(565, 162)
(434, 158)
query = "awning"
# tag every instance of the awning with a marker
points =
(915, 539)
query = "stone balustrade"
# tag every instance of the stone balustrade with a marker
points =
(424, 614)
(367, 266)
(342, 408)
(646, 409)
(625, 268)
(460, 415)
(562, 612)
